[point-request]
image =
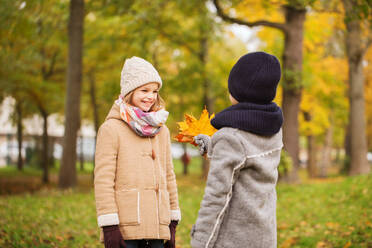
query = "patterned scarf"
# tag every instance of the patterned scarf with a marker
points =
(145, 124)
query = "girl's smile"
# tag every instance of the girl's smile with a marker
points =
(144, 97)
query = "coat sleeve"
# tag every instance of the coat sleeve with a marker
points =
(227, 153)
(104, 176)
(171, 183)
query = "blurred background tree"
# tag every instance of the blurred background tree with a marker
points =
(194, 44)
(358, 37)
(325, 92)
(34, 63)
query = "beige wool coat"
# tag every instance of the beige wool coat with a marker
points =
(134, 181)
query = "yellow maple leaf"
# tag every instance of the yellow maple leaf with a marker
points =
(191, 127)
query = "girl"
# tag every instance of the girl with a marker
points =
(135, 185)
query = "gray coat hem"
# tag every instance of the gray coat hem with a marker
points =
(196, 243)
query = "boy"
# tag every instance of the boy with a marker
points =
(239, 205)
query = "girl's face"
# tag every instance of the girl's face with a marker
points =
(145, 96)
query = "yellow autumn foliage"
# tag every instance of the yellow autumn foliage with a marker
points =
(324, 77)
(253, 10)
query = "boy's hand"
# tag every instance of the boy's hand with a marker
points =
(204, 142)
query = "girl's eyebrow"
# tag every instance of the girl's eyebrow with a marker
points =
(147, 88)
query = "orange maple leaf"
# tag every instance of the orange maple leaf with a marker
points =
(191, 127)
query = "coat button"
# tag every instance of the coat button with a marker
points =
(153, 155)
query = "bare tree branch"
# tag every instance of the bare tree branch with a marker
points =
(37, 101)
(52, 64)
(224, 16)
(177, 40)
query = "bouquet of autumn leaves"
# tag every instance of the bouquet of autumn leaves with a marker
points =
(191, 127)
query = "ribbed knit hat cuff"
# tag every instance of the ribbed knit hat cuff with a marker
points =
(129, 88)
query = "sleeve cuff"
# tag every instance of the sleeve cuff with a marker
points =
(176, 215)
(108, 220)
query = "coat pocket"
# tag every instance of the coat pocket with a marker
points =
(164, 207)
(128, 202)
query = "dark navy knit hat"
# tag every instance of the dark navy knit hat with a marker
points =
(254, 78)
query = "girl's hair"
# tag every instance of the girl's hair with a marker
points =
(159, 103)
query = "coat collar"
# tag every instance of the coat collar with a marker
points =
(261, 119)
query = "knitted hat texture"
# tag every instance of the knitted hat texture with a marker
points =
(137, 72)
(254, 78)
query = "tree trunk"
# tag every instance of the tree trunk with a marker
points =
(326, 153)
(185, 162)
(19, 135)
(51, 144)
(355, 51)
(347, 142)
(39, 151)
(81, 154)
(311, 151)
(67, 175)
(93, 98)
(347, 146)
(292, 68)
(44, 158)
(338, 156)
(311, 154)
(207, 99)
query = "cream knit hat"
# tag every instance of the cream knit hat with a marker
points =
(137, 72)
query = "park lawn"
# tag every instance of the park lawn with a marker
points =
(12, 171)
(29, 179)
(334, 212)
(330, 213)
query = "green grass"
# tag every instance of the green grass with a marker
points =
(331, 213)
(48, 219)
(12, 171)
(194, 168)
(335, 212)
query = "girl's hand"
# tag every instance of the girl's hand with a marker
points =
(112, 237)
(172, 242)
(204, 142)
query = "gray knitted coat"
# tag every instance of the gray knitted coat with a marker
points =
(239, 204)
